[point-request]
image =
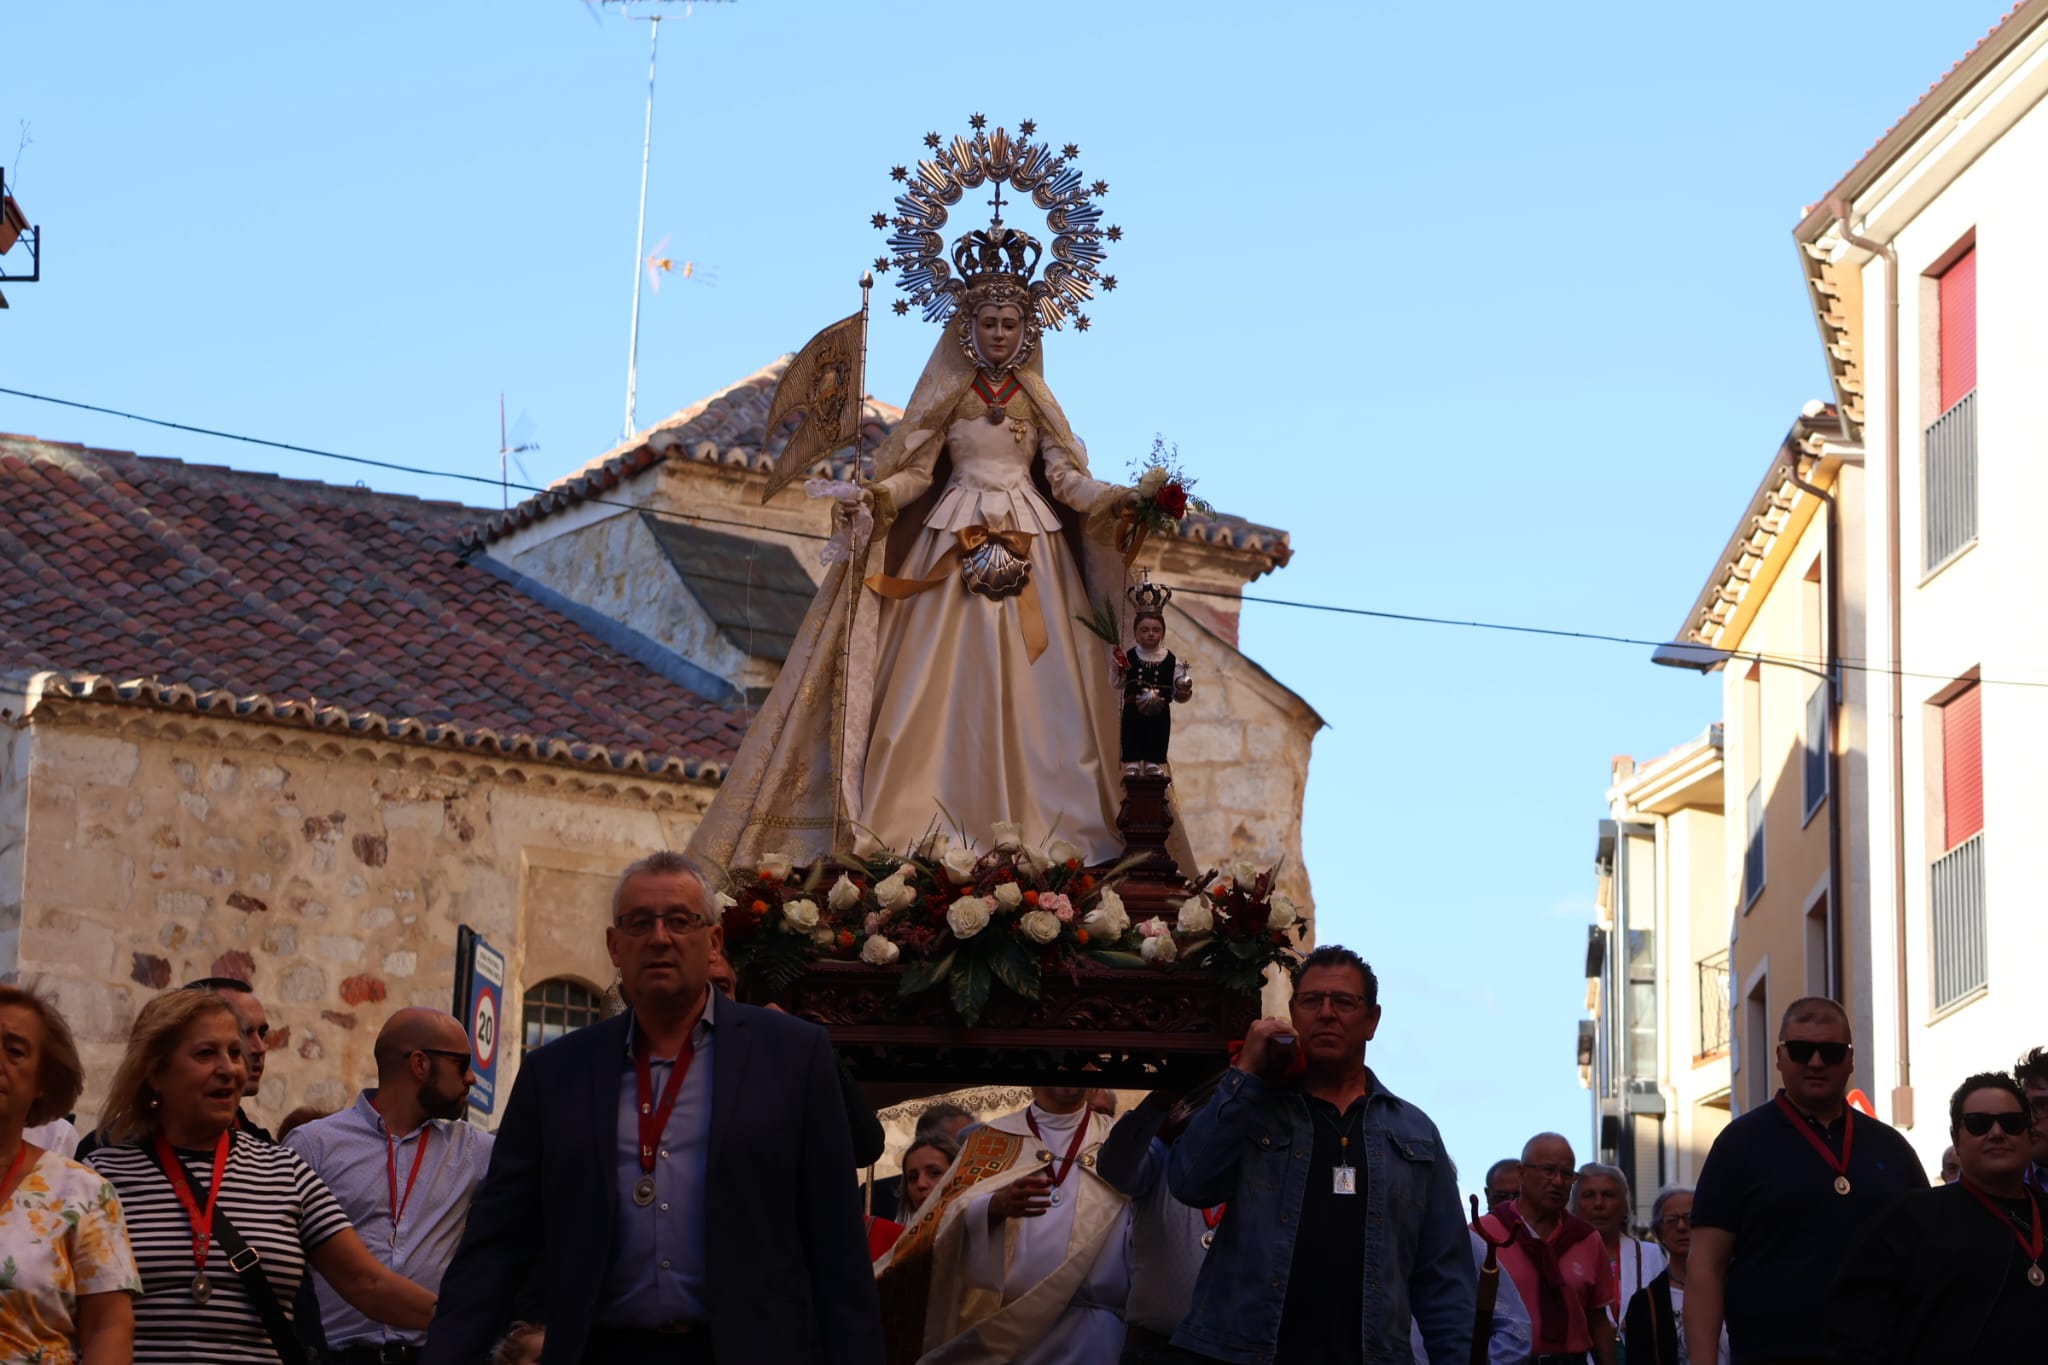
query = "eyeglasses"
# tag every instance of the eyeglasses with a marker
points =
(1802, 1050)
(1344, 1002)
(1564, 1173)
(1977, 1123)
(641, 925)
(1676, 1220)
(460, 1058)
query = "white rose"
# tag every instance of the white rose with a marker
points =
(1040, 926)
(935, 845)
(1064, 852)
(1194, 917)
(879, 951)
(967, 916)
(1281, 914)
(1152, 481)
(1009, 895)
(1108, 920)
(844, 894)
(1159, 950)
(1033, 862)
(800, 916)
(959, 864)
(1245, 874)
(893, 892)
(823, 937)
(1008, 834)
(776, 865)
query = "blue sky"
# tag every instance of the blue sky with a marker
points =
(1495, 308)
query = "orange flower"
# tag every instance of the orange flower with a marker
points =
(760, 907)
(1073, 864)
(846, 938)
(1088, 883)
(1031, 899)
(1081, 937)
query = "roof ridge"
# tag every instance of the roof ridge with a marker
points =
(358, 489)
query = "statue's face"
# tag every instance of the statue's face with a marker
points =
(1151, 633)
(998, 332)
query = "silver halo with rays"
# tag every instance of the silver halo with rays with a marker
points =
(1051, 181)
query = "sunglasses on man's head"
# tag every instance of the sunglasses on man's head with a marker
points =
(1802, 1051)
(1977, 1123)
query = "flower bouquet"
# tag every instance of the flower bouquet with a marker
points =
(970, 921)
(1165, 496)
(1237, 925)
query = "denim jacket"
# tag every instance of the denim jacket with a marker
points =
(1251, 1146)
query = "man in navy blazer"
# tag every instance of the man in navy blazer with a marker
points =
(675, 1181)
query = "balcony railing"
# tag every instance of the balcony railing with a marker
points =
(1957, 886)
(1714, 972)
(1949, 505)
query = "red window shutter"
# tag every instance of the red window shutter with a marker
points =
(1962, 765)
(1959, 329)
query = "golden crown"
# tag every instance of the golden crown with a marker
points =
(1148, 598)
(999, 261)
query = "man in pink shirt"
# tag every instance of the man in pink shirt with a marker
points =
(1556, 1259)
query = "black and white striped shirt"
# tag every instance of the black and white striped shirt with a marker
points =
(276, 1203)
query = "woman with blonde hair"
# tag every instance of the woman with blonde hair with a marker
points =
(67, 1294)
(223, 1226)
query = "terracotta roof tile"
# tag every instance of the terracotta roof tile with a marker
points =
(272, 597)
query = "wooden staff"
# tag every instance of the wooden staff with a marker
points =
(1489, 1290)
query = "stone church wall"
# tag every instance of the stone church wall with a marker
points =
(332, 874)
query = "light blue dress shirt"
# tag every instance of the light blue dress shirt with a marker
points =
(658, 1271)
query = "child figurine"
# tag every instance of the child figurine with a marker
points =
(1151, 679)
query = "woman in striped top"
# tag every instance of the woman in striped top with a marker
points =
(178, 1160)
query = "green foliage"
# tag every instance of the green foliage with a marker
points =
(1101, 618)
(1015, 967)
(970, 990)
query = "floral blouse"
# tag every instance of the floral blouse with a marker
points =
(61, 1236)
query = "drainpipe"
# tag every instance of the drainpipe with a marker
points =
(1902, 1094)
(1832, 586)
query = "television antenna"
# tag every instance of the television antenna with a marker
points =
(510, 448)
(653, 22)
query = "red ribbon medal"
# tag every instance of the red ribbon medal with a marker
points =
(419, 1154)
(2031, 1242)
(1073, 1150)
(654, 1118)
(201, 1219)
(1839, 1166)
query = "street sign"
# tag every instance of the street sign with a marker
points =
(480, 983)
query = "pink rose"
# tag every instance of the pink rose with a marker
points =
(1058, 904)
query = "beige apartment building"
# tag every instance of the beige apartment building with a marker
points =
(1771, 618)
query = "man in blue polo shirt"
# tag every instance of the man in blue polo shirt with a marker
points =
(1783, 1195)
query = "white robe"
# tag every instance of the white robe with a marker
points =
(1091, 1328)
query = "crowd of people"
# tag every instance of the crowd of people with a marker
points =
(678, 1184)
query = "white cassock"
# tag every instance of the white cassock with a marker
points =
(1021, 1254)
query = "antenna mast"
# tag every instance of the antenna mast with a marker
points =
(640, 232)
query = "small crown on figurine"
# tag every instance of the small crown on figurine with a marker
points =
(1148, 598)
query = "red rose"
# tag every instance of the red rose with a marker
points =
(1172, 499)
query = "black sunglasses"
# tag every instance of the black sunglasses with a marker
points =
(461, 1057)
(1801, 1050)
(1977, 1123)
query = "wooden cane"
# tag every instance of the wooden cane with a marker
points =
(1489, 1290)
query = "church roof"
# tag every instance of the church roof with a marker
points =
(728, 429)
(156, 582)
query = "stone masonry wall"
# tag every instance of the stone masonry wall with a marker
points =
(331, 874)
(14, 751)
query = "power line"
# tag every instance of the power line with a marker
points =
(1405, 618)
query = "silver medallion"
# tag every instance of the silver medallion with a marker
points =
(1343, 1180)
(1054, 1196)
(202, 1288)
(643, 1193)
(1841, 1184)
(1209, 1240)
(2035, 1277)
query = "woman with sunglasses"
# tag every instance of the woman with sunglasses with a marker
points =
(1956, 1272)
(1654, 1328)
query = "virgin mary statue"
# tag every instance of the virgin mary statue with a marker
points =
(943, 679)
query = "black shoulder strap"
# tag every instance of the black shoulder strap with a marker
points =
(247, 1263)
